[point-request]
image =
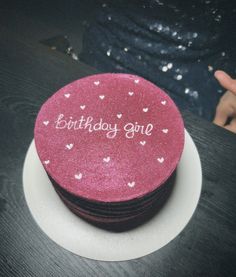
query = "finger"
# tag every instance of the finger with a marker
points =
(221, 116)
(226, 81)
(232, 126)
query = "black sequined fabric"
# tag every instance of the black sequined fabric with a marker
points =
(175, 44)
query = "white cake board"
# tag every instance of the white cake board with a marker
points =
(82, 238)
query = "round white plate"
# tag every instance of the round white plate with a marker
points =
(82, 238)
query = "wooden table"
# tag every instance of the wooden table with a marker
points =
(29, 74)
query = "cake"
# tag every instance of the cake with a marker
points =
(110, 144)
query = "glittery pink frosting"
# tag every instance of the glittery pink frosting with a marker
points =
(109, 137)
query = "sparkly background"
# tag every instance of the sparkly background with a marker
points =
(176, 44)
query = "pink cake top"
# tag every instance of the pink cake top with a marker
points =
(109, 137)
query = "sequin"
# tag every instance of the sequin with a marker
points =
(170, 65)
(74, 57)
(186, 91)
(178, 77)
(194, 94)
(210, 68)
(109, 52)
(181, 47)
(159, 28)
(218, 18)
(126, 49)
(69, 49)
(195, 35)
(159, 2)
(164, 68)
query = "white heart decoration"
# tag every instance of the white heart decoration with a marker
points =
(101, 97)
(67, 95)
(119, 115)
(96, 83)
(82, 107)
(107, 159)
(165, 131)
(130, 93)
(131, 184)
(69, 146)
(46, 123)
(145, 109)
(163, 102)
(46, 162)
(136, 81)
(160, 160)
(78, 176)
(142, 142)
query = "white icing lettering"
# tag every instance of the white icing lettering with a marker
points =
(131, 129)
(111, 129)
(87, 124)
(60, 124)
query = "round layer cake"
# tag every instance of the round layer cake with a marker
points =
(110, 144)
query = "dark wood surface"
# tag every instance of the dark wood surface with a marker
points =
(29, 73)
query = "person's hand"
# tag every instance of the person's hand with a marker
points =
(226, 109)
